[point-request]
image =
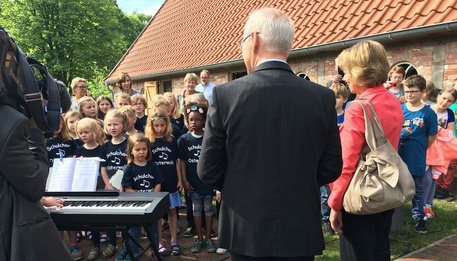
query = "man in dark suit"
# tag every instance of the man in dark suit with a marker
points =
(270, 141)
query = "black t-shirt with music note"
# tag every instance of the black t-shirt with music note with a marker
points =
(114, 156)
(164, 155)
(142, 178)
(189, 147)
(59, 148)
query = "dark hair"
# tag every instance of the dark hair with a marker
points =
(101, 98)
(195, 107)
(416, 81)
(122, 79)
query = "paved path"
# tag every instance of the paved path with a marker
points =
(442, 250)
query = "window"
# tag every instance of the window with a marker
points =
(304, 76)
(237, 75)
(167, 86)
(410, 69)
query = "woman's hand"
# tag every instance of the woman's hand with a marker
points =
(336, 220)
(51, 202)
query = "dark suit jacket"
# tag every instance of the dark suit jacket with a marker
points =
(270, 141)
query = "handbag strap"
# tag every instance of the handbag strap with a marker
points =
(374, 134)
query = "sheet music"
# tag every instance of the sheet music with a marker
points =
(85, 174)
(116, 179)
(61, 177)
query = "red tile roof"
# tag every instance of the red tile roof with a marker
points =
(188, 34)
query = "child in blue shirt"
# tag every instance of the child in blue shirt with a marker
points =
(418, 133)
(341, 96)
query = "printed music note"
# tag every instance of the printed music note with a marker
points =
(61, 153)
(197, 154)
(163, 156)
(145, 183)
(116, 161)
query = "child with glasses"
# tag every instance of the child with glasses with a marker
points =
(418, 133)
(189, 146)
(140, 104)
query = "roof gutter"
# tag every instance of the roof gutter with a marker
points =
(334, 46)
(210, 67)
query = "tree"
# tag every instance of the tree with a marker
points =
(73, 38)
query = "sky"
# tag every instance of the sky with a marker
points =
(149, 7)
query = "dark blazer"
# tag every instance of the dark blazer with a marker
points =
(270, 141)
(26, 229)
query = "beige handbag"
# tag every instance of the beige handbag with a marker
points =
(382, 180)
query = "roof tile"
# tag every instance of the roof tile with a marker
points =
(188, 34)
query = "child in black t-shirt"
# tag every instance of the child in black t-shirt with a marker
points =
(165, 155)
(89, 131)
(114, 159)
(140, 104)
(71, 118)
(61, 145)
(189, 146)
(140, 175)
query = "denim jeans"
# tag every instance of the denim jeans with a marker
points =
(419, 197)
(430, 187)
(325, 209)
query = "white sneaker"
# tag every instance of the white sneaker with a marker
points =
(221, 251)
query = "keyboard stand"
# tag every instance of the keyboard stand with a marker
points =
(126, 237)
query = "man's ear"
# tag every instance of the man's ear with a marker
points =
(255, 38)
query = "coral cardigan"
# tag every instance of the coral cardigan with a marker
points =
(352, 135)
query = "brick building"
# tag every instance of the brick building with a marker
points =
(188, 36)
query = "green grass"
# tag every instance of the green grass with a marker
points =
(406, 240)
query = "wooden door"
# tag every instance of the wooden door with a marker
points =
(150, 90)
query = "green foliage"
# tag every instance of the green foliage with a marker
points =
(95, 85)
(73, 38)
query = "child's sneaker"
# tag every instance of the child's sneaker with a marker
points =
(93, 254)
(420, 227)
(210, 247)
(190, 232)
(429, 213)
(198, 246)
(121, 256)
(78, 236)
(109, 251)
(76, 253)
(103, 238)
(221, 251)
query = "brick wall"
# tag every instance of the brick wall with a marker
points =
(434, 58)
